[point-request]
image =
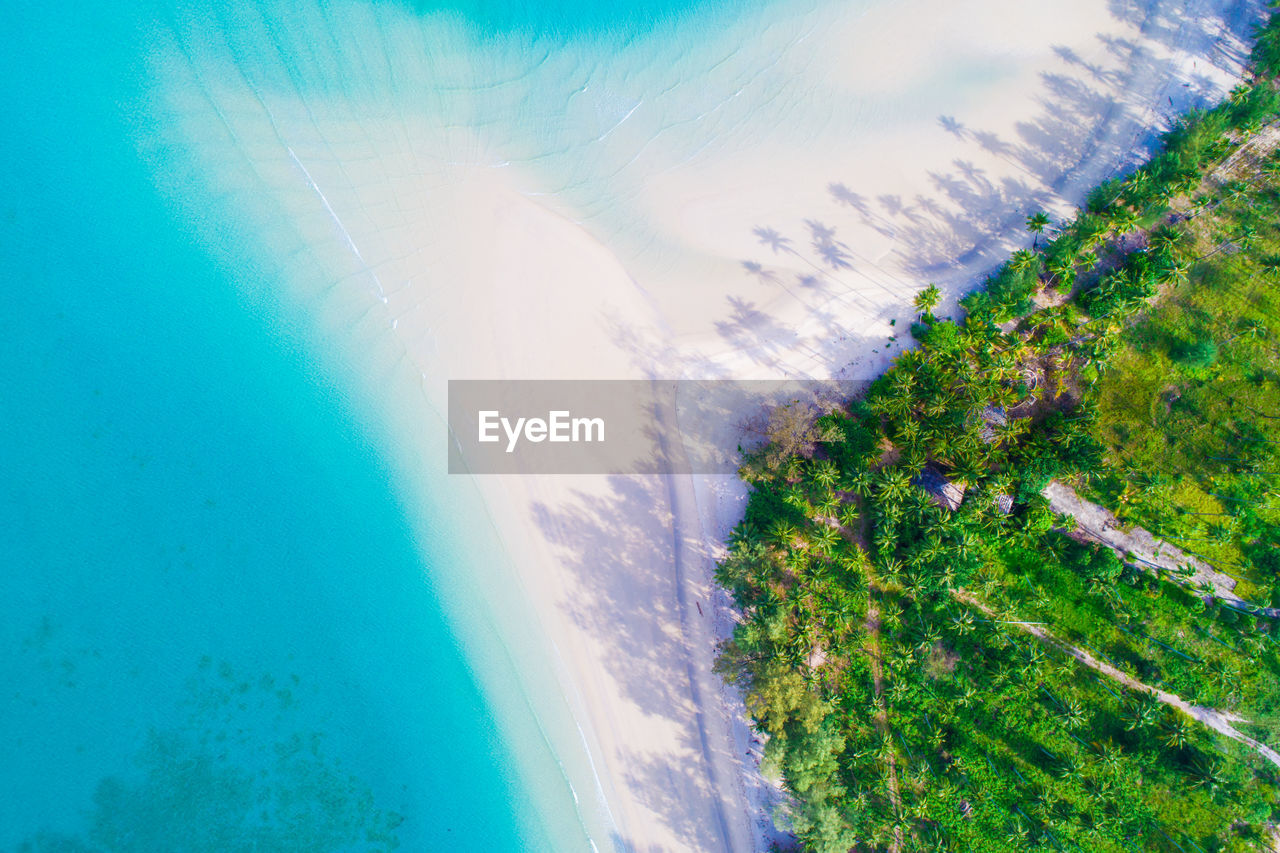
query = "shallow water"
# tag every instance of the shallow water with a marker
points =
(566, 18)
(220, 625)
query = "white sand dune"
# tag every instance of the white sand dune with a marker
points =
(749, 197)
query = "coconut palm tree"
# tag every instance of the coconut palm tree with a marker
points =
(1092, 231)
(1023, 261)
(825, 539)
(784, 533)
(1178, 733)
(825, 474)
(1073, 714)
(1246, 237)
(1209, 775)
(1250, 329)
(894, 486)
(1142, 713)
(1125, 221)
(927, 299)
(1175, 272)
(1137, 186)
(962, 623)
(1036, 223)
(1062, 268)
(1165, 239)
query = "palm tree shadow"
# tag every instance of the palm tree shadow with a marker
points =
(630, 565)
(773, 239)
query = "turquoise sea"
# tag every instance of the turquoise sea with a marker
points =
(220, 622)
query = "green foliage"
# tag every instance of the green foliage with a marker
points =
(1200, 351)
(780, 701)
(895, 558)
(943, 337)
(1266, 50)
(1251, 106)
(1010, 289)
(1092, 562)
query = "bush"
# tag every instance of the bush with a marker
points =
(1036, 473)
(1103, 196)
(943, 337)
(859, 440)
(1010, 291)
(1198, 353)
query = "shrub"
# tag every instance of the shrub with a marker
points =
(1198, 353)
(943, 337)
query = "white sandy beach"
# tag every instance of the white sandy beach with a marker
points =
(755, 198)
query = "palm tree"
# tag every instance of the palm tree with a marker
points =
(891, 570)
(1178, 734)
(1246, 237)
(1125, 221)
(1036, 223)
(936, 405)
(784, 533)
(1249, 328)
(971, 467)
(862, 483)
(1142, 713)
(1208, 771)
(1073, 716)
(1062, 268)
(826, 539)
(1018, 835)
(1137, 185)
(1175, 272)
(1165, 238)
(795, 497)
(894, 486)
(1236, 191)
(1033, 658)
(927, 299)
(900, 402)
(1023, 261)
(1092, 231)
(824, 474)
(1243, 239)
(908, 433)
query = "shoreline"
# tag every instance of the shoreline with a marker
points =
(467, 273)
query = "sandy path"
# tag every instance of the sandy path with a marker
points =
(1214, 719)
(1139, 548)
(876, 656)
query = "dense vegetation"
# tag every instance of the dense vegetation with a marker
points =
(938, 663)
